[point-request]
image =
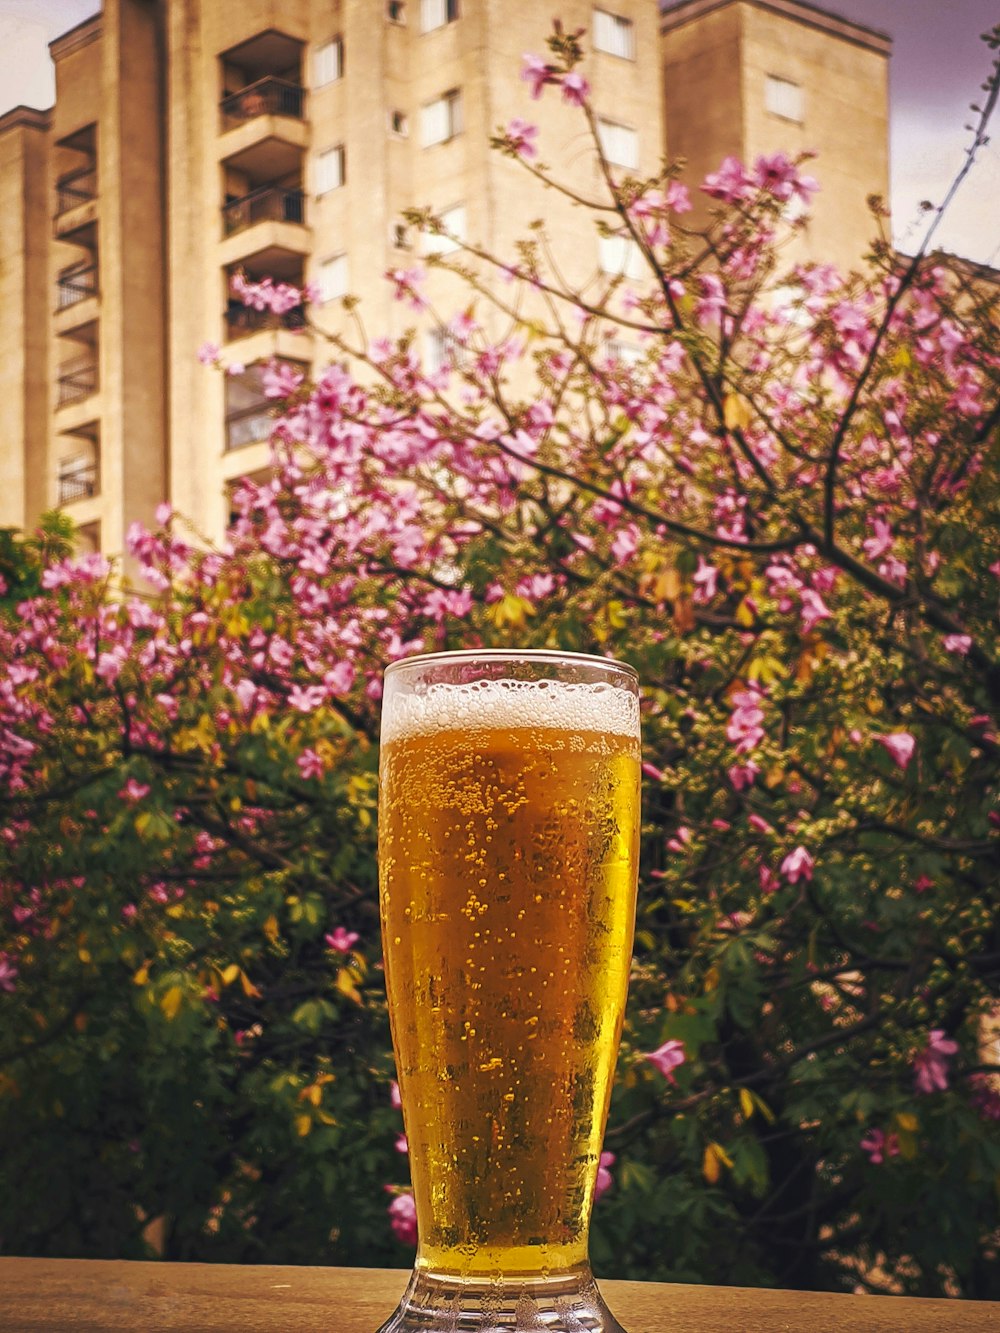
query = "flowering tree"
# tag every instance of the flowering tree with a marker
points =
(781, 506)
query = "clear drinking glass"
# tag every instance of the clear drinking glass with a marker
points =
(508, 841)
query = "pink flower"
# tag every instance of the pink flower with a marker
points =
(742, 775)
(813, 609)
(604, 1177)
(134, 791)
(651, 771)
(876, 1144)
(705, 577)
(129, 912)
(535, 72)
(403, 1219)
(575, 88)
(930, 1066)
(759, 824)
(306, 700)
(208, 353)
(401, 1144)
(8, 972)
(900, 745)
(678, 198)
(394, 1098)
(341, 940)
(310, 764)
(798, 864)
(922, 883)
(730, 183)
(667, 1058)
(522, 135)
(769, 881)
(957, 643)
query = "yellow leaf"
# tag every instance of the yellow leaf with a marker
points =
(271, 929)
(736, 412)
(510, 610)
(170, 1001)
(345, 984)
(248, 987)
(711, 979)
(713, 1161)
(907, 1121)
(746, 1103)
(230, 973)
(762, 1107)
(83, 955)
(175, 910)
(744, 615)
(303, 1124)
(142, 976)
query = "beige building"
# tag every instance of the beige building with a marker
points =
(195, 139)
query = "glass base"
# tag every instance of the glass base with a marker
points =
(567, 1302)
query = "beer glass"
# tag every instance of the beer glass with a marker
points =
(508, 837)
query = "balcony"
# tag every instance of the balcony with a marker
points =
(269, 203)
(75, 188)
(77, 380)
(76, 285)
(269, 96)
(77, 480)
(241, 320)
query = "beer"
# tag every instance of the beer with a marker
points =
(509, 822)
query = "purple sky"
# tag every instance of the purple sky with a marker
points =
(937, 66)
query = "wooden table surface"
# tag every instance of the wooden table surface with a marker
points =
(57, 1294)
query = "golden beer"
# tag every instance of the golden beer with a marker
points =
(508, 836)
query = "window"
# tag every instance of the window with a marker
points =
(441, 120)
(453, 221)
(441, 350)
(614, 35)
(249, 412)
(328, 62)
(436, 13)
(399, 123)
(330, 169)
(333, 278)
(784, 98)
(396, 11)
(620, 257)
(629, 354)
(619, 143)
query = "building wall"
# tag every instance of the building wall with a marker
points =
(23, 293)
(719, 56)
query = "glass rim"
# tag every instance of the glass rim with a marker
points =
(486, 655)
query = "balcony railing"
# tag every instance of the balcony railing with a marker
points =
(270, 203)
(76, 380)
(76, 285)
(241, 320)
(76, 187)
(266, 97)
(77, 481)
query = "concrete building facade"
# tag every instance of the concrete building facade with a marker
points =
(195, 139)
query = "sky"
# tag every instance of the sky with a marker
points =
(937, 66)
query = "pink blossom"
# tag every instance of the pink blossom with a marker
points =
(575, 88)
(651, 771)
(705, 577)
(745, 728)
(881, 543)
(401, 1144)
(667, 1058)
(900, 745)
(134, 791)
(877, 1144)
(922, 883)
(743, 775)
(522, 135)
(310, 764)
(8, 972)
(208, 353)
(681, 840)
(957, 643)
(536, 72)
(403, 1219)
(307, 699)
(769, 881)
(930, 1066)
(129, 912)
(341, 940)
(798, 864)
(246, 693)
(761, 825)
(394, 1098)
(730, 183)
(678, 198)
(604, 1177)
(813, 609)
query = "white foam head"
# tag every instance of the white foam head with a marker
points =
(507, 704)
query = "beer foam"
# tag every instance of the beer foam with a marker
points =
(565, 705)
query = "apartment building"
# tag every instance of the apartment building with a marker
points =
(196, 139)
